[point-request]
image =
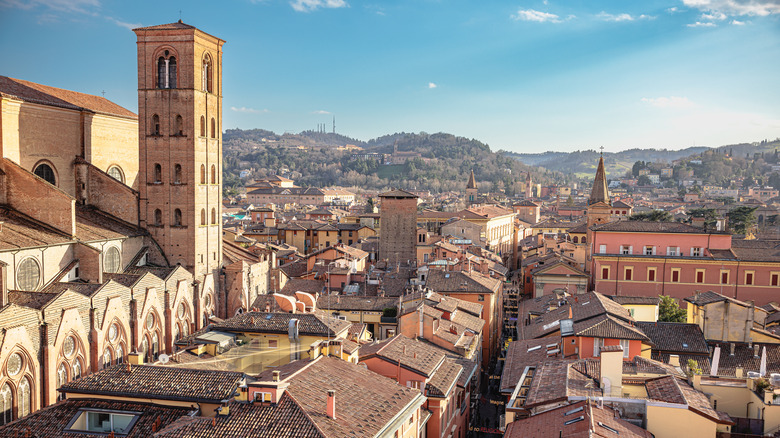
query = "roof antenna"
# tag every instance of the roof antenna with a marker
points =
(602, 150)
(179, 15)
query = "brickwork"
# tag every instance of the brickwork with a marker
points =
(398, 236)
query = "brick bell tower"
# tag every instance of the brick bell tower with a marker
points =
(180, 147)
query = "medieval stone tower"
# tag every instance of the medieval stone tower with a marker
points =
(599, 208)
(180, 147)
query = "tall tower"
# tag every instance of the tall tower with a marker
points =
(471, 189)
(398, 228)
(528, 185)
(180, 147)
(599, 208)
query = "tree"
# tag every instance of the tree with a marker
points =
(652, 216)
(742, 219)
(670, 311)
(644, 180)
(693, 368)
(569, 202)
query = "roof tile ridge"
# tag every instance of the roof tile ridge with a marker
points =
(303, 410)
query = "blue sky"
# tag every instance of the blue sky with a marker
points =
(526, 76)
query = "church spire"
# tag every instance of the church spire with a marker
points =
(599, 192)
(472, 181)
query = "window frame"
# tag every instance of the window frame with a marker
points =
(654, 270)
(672, 273)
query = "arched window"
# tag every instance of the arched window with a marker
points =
(28, 274)
(111, 261)
(116, 173)
(106, 358)
(6, 404)
(155, 125)
(144, 349)
(583, 240)
(25, 394)
(203, 174)
(207, 74)
(62, 378)
(203, 216)
(576, 239)
(177, 174)
(213, 216)
(213, 174)
(177, 218)
(179, 125)
(213, 128)
(158, 217)
(166, 71)
(202, 126)
(46, 172)
(120, 354)
(155, 346)
(76, 369)
(157, 173)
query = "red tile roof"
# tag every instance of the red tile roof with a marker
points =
(46, 95)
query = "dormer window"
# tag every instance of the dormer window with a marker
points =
(103, 421)
(166, 70)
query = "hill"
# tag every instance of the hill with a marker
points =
(437, 162)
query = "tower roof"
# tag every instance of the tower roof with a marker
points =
(599, 192)
(472, 181)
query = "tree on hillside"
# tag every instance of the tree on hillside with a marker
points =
(652, 216)
(709, 215)
(742, 219)
(644, 180)
(670, 311)
(370, 205)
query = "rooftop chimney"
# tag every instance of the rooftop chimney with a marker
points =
(612, 370)
(331, 412)
(731, 346)
(756, 347)
(276, 375)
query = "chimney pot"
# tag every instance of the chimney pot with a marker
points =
(331, 407)
(731, 347)
(276, 376)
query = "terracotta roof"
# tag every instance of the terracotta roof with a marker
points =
(373, 304)
(458, 281)
(397, 194)
(746, 358)
(410, 353)
(283, 419)
(365, 401)
(607, 326)
(444, 379)
(521, 354)
(315, 324)
(127, 280)
(86, 289)
(581, 419)
(672, 389)
(46, 95)
(303, 285)
(652, 227)
(675, 337)
(709, 297)
(33, 300)
(599, 191)
(21, 231)
(169, 26)
(627, 299)
(756, 250)
(167, 383)
(50, 422)
(93, 224)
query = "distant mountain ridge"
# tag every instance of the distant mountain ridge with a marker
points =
(583, 163)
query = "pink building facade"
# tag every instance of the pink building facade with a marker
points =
(657, 258)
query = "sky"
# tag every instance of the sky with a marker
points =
(523, 76)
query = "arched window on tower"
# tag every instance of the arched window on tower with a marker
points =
(203, 174)
(203, 216)
(157, 173)
(177, 174)
(158, 217)
(202, 126)
(46, 172)
(213, 174)
(213, 128)
(213, 216)
(179, 125)
(207, 74)
(177, 218)
(155, 125)
(166, 70)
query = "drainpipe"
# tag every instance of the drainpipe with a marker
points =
(747, 409)
(736, 281)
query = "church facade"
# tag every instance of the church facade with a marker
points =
(110, 222)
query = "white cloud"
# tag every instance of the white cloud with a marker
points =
(669, 102)
(432, 85)
(737, 23)
(760, 8)
(672, 10)
(320, 112)
(720, 16)
(537, 16)
(622, 17)
(244, 109)
(701, 24)
(311, 5)
(124, 24)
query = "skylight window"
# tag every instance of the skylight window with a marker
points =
(534, 348)
(574, 420)
(609, 428)
(573, 411)
(103, 421)
(685, 345)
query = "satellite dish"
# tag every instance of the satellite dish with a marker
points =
(164, 358)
